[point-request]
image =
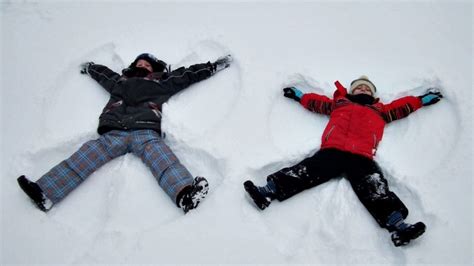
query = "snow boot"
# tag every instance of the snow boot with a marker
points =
(190, 196)
(260, 200)
(402, 237)
(35, 193)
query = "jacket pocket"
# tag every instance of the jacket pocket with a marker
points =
(112, 106)
(326, 137)
(155, 108)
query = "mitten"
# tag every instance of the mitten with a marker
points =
(221, 63)
(85, 67)
(293, 93)
(431, 96)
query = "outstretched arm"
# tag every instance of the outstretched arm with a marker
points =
(102, 74)
(311, 101)
(182, 78)
(403, 107)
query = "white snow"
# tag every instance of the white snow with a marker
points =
(236, 126)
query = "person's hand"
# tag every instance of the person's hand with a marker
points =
(431, 96)
(85, 67)
(221, 63)
(292, 93)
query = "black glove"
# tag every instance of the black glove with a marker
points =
(85, 67)
(221, 63)
(431, 96)
(292, 93)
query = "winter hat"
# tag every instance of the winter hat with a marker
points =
(363, 80)
(156, 64)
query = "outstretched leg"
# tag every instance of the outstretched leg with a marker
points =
(171, 175)
(310, 172)
(385, 206)
(70, 173)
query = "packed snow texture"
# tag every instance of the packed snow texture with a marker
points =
(236, 126)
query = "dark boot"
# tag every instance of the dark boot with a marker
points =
(403, 236)
(402, 232)
(259, 195)
(35, 193)
(190, 197)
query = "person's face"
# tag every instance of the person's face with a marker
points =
(144, 64)
(362, 89)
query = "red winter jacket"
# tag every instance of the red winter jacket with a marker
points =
(353, 127)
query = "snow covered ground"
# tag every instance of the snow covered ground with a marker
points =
(235, 126)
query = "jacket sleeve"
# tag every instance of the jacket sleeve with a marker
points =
(103, 75)
(317, 103)
(182, 77)
(400, 108)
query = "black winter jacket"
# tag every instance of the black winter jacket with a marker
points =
(136, 103)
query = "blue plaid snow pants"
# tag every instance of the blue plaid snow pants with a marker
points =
(171, 175)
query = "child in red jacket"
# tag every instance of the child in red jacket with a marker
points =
(348, 145)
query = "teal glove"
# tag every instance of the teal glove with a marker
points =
(432, 96)
(292, 93)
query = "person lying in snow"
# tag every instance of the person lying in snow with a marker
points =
(348, 146)
(130, 122)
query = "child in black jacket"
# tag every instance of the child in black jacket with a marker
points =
(130, 122)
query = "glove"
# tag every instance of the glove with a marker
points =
(85, 67)
(292, 93)
(432, 96)
(221, 63)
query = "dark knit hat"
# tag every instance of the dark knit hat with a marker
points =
(157, 64)
(363, 80)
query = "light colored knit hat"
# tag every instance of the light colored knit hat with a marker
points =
(363, 80)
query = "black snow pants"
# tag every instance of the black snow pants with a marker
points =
(364, 175)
